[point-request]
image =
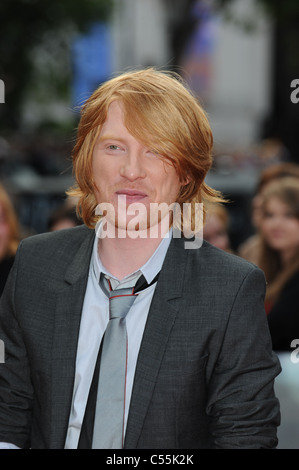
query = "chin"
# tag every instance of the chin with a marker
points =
(277, 246)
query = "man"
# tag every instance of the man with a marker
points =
(199, 369)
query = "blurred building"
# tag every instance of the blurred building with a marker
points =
(91, 61)
(140, 35)
(228, 62)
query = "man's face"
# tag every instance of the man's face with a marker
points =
(124, 168)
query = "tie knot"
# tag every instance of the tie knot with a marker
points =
(120, 300)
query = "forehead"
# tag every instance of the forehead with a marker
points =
(277, 204)
(115, 118)
(115, 110)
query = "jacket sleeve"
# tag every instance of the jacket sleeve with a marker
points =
(242, 405)
(16, 391)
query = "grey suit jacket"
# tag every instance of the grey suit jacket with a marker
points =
(205, 371)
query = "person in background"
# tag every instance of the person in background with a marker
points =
(216, 227)
(63, 217)
(250, 248)
(279, 259)
(9, 236)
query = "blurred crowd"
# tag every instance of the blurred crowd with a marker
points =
(11, 231)
(274, 246)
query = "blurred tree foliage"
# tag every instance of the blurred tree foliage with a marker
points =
(23, 25)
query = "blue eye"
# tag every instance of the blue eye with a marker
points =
(153, 152)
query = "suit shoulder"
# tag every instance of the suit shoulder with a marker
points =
(64, 237)
(217, 259)
(53, 246)
(227, 257)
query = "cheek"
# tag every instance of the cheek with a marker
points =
(100, 174)
(97, 169)
(105, 168)
(265, 227)
(294, 231)
(170, 183)
(4, 230)
(4, 237)
(170, 191)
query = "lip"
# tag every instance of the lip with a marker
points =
(277, 234)
(132, 195)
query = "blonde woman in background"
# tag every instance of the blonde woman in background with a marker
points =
(250, 248)
(9, 236)
(279, 259)
(216, 227)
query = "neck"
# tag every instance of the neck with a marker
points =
(123, 255)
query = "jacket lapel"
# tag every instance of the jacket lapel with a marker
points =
(67, 323)
(162, 314)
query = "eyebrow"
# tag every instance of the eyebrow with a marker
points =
(110, 137)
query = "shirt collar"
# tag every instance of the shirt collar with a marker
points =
(150, 269)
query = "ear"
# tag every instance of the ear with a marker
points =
(186, 180)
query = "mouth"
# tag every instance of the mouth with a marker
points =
(277, 234)
(131, 195)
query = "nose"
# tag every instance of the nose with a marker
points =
(132, 167)
(277, 223)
